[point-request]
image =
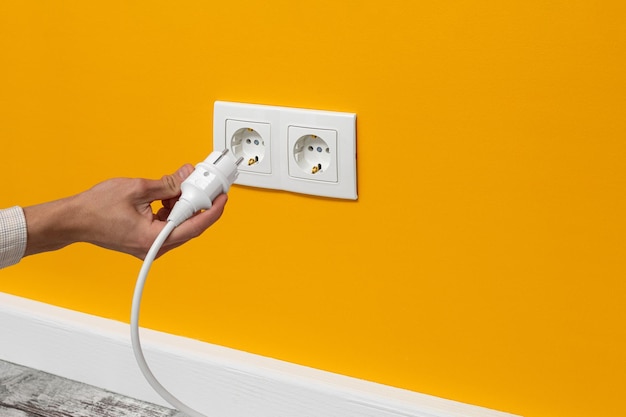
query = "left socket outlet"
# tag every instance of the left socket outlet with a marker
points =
(247, 130)
(251, 141)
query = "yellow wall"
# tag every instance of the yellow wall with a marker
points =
(485, 258)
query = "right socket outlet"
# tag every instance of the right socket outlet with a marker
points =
(312, 153)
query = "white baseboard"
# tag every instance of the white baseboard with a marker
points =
(214, 380)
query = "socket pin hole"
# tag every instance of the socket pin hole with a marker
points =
(310, 148)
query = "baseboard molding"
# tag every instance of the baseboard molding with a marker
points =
(212, 379)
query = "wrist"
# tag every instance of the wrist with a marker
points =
(51, 226)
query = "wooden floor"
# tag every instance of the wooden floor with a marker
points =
(26, 392)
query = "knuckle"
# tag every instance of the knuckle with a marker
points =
(140, 186)
(170, 182)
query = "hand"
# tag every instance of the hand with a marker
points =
(117, 214)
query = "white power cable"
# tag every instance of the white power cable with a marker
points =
(211, 178)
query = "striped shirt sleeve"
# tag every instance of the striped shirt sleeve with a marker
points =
(12, 236)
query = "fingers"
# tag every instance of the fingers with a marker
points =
(167, 189)
(197, 224)
(163, 213)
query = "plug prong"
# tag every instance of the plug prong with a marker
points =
(224, 152)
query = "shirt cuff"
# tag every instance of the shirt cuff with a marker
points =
(13, 235)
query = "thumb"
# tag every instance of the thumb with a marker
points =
(169, 185)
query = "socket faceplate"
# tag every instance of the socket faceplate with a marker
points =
(293, 139)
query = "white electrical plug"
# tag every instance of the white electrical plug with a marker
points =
(212, 177)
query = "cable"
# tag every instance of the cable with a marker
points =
(211, 178)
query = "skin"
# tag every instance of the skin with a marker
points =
(117, 214)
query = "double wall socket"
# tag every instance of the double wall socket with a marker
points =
(298, 150)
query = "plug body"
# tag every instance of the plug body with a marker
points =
(212, 177)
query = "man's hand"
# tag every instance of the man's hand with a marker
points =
(117, 214)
